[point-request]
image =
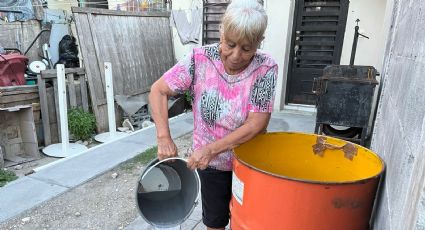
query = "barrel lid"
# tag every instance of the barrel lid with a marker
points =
(167, 192)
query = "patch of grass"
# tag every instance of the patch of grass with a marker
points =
(6, 176)
(141, 158)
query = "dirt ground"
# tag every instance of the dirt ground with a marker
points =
(106, 202)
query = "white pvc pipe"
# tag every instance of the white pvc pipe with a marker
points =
(110, 98)
(63, 107)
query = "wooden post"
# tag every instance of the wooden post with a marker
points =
(44, 109)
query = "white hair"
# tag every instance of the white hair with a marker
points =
(247, 19)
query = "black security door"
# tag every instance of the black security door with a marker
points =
(318, 35)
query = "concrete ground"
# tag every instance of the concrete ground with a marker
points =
(70, 172)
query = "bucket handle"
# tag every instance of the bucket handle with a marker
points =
(160, 162)
(349, 149)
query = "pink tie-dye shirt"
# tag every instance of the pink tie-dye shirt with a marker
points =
(221, 101)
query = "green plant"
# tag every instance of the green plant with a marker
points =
(81, 124)
(188, 96)
(142, 158)
(6, 176)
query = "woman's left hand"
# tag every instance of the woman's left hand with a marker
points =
(200, 158)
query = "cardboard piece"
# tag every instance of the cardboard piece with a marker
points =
(18, 139)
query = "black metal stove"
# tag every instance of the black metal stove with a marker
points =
(345, 97)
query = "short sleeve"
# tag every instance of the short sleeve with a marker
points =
(263, 92)
(180, 77)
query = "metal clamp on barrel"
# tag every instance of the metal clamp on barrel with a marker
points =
(349, 149)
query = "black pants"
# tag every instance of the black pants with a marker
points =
(216, 191)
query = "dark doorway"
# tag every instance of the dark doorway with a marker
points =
(317, 39)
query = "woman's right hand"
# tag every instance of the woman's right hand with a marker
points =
(166, 148)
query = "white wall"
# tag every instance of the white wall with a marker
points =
(277, 41)
(369, 51)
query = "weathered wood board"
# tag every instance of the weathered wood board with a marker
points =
(19, 35)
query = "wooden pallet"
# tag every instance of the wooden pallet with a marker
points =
(77, 94)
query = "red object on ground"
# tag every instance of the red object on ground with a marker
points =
(12, 69)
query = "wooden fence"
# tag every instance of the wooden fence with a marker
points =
(138, 44)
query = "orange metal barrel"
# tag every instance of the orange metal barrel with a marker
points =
(297, 181)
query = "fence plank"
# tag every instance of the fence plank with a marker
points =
(44, 110)
(119, 13)
(55, 90)
(51, 73)
(71, 90)
(86, 44)
(12, 90)
(83, 89)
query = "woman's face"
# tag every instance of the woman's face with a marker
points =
(235, 55)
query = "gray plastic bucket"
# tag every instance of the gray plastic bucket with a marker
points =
(167, 192)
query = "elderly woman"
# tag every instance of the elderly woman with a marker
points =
(233, 86)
